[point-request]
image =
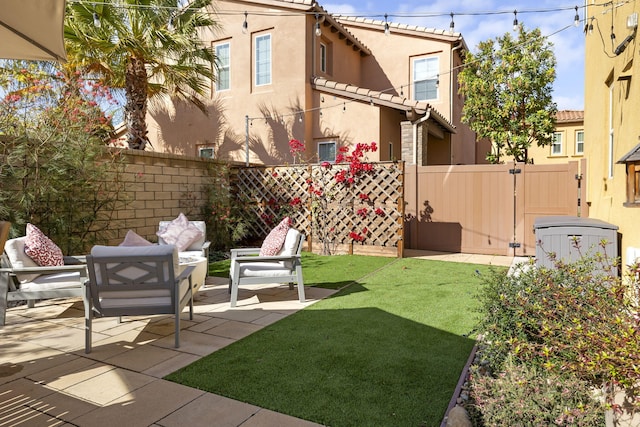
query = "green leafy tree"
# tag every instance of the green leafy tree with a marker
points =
(54, 169)
(148, 48)
(507, 86)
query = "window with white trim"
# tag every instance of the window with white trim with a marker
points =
(263, 60)
(223, 59)
(556, 144)
(327, 151)
(425, 78)
(580, 142)
(205, 152)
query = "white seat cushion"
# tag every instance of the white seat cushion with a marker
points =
(48, 282)
(264, 269)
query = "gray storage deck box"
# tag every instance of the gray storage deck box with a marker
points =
(557, 234)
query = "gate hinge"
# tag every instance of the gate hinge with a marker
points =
(515, 171)
(514, 245)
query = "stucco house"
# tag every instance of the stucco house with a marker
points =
(568, 140)
(289, 69)
(612, 103)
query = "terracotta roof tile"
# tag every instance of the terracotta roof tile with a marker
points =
(564, 116)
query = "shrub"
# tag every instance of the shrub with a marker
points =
(526, 396)
(575, 320)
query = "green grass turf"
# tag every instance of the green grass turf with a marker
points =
(331, 272)
(385, 351)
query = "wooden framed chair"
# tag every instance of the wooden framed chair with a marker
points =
(133, 281)
(248, 268)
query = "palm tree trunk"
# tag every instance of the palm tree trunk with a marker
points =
(135, 109)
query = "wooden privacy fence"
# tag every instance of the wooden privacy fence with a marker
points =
(487, 209)
(364, 218)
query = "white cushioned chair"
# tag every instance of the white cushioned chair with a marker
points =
(249, 268)
(199, 248)
(133, 281)
(21, 279)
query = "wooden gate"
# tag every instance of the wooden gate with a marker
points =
(486, 209)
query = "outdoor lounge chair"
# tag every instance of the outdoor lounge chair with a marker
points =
(248, 268)
(134, 281)
(22, 279)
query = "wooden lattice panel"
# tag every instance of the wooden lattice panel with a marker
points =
(270, 193)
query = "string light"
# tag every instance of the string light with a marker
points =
(387, 31)
(576, 19)
(245, 24)
(451, 25)
(96, 20)
(590, 28)
(170, 26)
(515, 20)
(318, 30)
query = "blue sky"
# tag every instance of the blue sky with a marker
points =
(484, 21)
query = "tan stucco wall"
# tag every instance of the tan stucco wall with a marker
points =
(620, 106)
(543, 155)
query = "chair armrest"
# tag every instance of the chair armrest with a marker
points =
(244, 252)
(206, 245)
(82, 268)
(75, 259)
(185, 273)
(266, 258)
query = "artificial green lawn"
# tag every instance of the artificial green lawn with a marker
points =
(387, 350)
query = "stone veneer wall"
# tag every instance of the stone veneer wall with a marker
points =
(158, 187)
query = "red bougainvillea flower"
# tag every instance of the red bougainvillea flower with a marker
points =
(295, 201)
(326, 165)
(379, 212)
(362, 212)
(363, 196)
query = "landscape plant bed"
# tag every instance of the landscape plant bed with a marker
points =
(388, 349)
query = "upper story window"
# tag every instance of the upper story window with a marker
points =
(580, 142)
(556, 144)
(323, 57)
(327, 151)
(263, 60)
(425, 78)
(223, 58)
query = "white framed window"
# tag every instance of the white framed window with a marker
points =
(206, 152)
(579, 142)
(327, 151)
(556, 144)
(425, 78)
(223, 58)
(263, 60)
(323, 57)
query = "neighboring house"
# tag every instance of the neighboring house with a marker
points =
(568, 140)
(612, 103)
(288, 69)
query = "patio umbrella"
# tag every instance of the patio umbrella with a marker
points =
(32, 29)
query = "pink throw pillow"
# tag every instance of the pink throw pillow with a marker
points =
(134, 239)
(274, 241)
(180, 233)
(41, 249)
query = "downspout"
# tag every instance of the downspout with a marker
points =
(451, 96)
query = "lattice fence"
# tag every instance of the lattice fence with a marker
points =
(366, 217)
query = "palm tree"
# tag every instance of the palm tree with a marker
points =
(149, 48)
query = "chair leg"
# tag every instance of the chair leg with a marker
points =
(300, 284)
(4, 297)
(88, 317)
(177, 333)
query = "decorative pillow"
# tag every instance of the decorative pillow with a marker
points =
(180, 233)
(274, 241)
(134, 239)
(14, 248)
(41, 249)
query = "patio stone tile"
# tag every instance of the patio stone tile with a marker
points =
(62, 407)
(195, 343)
(50, 309)
(269, 319)
(64, 339)
(211, 409)
(142, 358)
(234, 330)
(69, 372)
(207, 324)
(29, 329)
(143, 406)
(267, 418)
(110, 325)
(166, 325)
(169, 366)
(22, 351)
(108, 386)
(241, 313)
(128, 340)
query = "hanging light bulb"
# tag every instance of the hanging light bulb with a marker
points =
(318, 30)
(245, 24)
(96, 20)
(386, 25)
(452, 25)
(344, 107)
(515, 20)
(590, 28)
(170, 26)
(437, 81)
(576, 19)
